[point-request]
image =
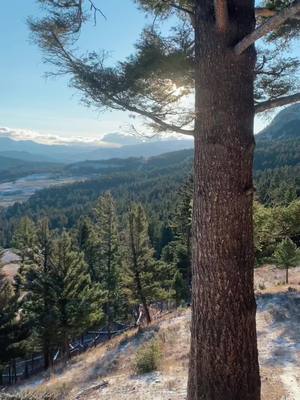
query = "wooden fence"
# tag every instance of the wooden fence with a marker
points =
(19, 369)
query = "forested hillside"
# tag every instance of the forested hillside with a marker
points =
(12, 168)
(154, 182)
(104, 247)
(277, 158)
(284, 126)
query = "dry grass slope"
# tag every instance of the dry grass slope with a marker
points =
(108, 371)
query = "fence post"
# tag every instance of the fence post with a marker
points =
(26, 372)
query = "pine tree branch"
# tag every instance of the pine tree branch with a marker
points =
(221, 14)
(279, 102)
(123, 104)
(158, 121)
(188, 11)
(270, 25)
(96, 10)
(178, 7)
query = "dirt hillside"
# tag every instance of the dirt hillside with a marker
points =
(107, 372)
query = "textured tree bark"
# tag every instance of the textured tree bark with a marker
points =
(138, 282)
(143, 298)
(223, 358)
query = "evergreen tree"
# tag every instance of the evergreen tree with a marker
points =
(60, 301)
(211, 54)
(86, 240)
(24, 238)
(182, 221)
(272, 225)
(39, 302)
(182, 225)
(286, 256)
(143, 278)
(76, 300)
(267, 230)
(83, 233)
(105, 257)
(13, 327)
(180, 288)
(176, 254)
(283, 194)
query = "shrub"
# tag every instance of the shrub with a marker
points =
(148, 357)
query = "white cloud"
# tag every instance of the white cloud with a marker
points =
(50, 139)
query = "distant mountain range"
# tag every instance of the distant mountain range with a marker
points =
(284, 127)
(124, 140)
(117, 145)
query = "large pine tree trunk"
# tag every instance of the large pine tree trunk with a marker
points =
(223, 359)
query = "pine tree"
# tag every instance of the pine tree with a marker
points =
(286, 256)
(272, 225)
(39, 306)
(24, 238)
(102, 253)
(178, 252)
(13, 326)
(211, 55)
(182, 225)
(77, 301)
(86, 240)
(83, 233)
(143, 278)
(182, 221)
(180, 288)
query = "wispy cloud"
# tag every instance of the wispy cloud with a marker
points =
(50, 139)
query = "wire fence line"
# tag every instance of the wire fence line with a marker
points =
(21, 369)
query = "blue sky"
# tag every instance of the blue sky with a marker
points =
(30, 101)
